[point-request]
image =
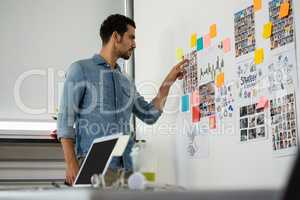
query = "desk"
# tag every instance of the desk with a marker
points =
(93, 194)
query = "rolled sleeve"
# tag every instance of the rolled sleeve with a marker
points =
(70, 102)
(145, 111)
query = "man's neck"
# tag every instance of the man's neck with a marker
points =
(109, 56)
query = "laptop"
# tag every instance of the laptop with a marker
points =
(99, 157)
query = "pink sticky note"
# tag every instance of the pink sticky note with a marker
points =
(207, 40)
(195, 98)
(263, 102)
(226, 45)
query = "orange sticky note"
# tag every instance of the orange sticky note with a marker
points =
(284, 10)
(267, 30)
(259, 56)
(212, 122)
(207, 40)
(213, 31)
(257, 5)
(220, 80)
(193, 40)
(195, 98)
(179, 54)
(263, 102)
(226, 45)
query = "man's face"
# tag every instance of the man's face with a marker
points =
(126, 44)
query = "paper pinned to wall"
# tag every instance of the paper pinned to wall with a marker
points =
(193, 40)
(259, 56)
(284, 10)
(226, 45)
(200, 44)
(213, 31)
(207, 40)
(185, 103)
(267, 30)
(257, 5)
(197, 142)
(179, 54)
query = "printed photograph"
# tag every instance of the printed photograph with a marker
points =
(243, 123)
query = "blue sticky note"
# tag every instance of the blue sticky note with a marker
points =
(185, 101)
(200, 44)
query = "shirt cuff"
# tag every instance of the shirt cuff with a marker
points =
(66, 133)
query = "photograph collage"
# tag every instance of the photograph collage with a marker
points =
(190, 79)
(207, 96)
(283, 29)
(252, 123)
(244, 31)
(283, 122)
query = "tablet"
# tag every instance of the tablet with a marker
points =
(99, 157)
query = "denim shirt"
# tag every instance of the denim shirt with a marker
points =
(98, 101)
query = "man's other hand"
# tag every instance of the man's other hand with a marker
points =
(71, 171)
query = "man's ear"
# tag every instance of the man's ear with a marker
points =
(116, 36)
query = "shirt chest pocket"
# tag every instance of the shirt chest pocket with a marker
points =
(126, 96)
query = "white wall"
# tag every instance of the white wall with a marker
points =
(45, 35)
(162, 26)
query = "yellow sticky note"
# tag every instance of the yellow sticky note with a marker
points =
(179, 54)
(267, 30)
(213, 31)
(259, 56)
(284, 10)
(257, 5)
(193, 40)
(220, 80)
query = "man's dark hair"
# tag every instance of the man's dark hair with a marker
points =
(114, 23)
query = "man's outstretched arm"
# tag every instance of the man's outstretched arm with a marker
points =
(177, 72)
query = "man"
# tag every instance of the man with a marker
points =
(98, 99)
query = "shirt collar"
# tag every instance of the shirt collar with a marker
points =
(99, 60)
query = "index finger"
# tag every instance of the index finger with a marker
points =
(182, 63)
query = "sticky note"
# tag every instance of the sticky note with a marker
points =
(212, 122)
(284, 10)
(185, 106)
(267, 30)
(179, 54)
(257, 5)
(207, 40)
(226, 45)
(263, 102)
(195, 98)
(193, 40)
(196, 114)
(259, 56)
(220, 80)
(213, 30)
(200, 44)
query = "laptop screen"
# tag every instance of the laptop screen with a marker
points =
(96, 161)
